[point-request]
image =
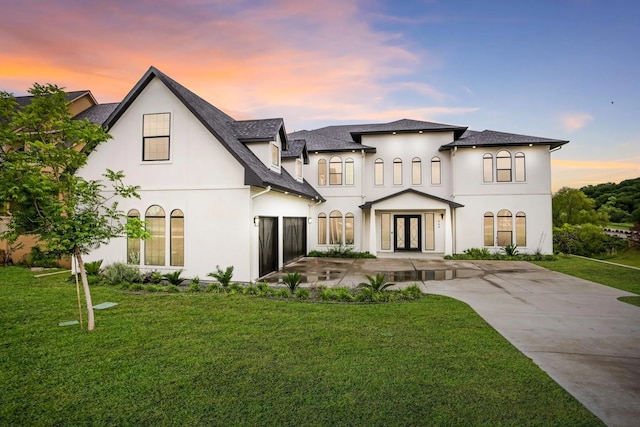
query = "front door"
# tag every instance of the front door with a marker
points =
(407, 232)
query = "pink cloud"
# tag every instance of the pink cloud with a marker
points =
(574, 121)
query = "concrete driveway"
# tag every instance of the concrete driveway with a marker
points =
(575, 330)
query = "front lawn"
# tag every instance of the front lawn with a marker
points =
(216, 359)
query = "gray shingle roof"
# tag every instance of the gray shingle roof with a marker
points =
(411, 191)
(70, 96)
(491, 138)
(319, 142)
(98, 113)
(221, 126)
(295, 148)
(257, 130)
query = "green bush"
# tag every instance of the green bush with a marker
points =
(222, 276)
(41, 258)
(172, 289)
(586, 240)
(303, 294)
(194, 287)
(340, 251)
(251, 290)
(292, 280)
(92, 268)
(175, 277)
(120, 272)
(377, 284)
(412, 292)
(212, 287)
(152, 288)
(281, 293)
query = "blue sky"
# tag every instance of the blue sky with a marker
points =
(565, 69)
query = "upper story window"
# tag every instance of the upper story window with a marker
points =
(520, 167)
(156, 136)
(487, 168)
(416, 171)
(503, 166)
(275, 155)
(299, 169)
(348, 172)
(378, 172)
(397, 171)
(436, 171)
(322, 172)
(335, 171)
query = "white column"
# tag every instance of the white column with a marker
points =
(373, 240)
(448, 232)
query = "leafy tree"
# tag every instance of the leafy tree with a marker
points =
(572, 206)
(42, 148)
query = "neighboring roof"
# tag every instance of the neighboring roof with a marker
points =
(98, 113)
(222, 127)
(411, 191)
(70, 97)
(257, 130)
(317, 142)
(492, 138)
(295, 149)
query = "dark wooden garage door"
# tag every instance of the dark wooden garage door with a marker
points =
(268, 240)
(294, 238)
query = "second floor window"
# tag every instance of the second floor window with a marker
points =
(156, 136)
(275, 155)
(519, 167)
(416, 171)
(397, 171)
(378, 172)
(435, 171)
(503, 166)
(348, 172)
(335, 171)
(487, 168)
(322, 172)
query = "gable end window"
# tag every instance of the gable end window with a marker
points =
(275, 155)
(156, 136)
(299, 169)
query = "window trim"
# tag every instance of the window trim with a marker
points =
(322, 172)
(133, 244)
(335, 160)
(378, 172)
(149, 138)
(275, 155)
(322, 225)
(175, 214)
(336, 233)
(299, 166)
(151, 239)
(501, 228)
(488, 229)
(487, 168)
(397, 171)
(349, 171)
(416, 167)
(504, 154)
(521, 221)
(520, 167)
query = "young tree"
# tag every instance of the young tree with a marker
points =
(571, 206)
(42, 148)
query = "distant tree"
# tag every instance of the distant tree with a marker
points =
(572, 206)
(613, 212)
(42, 148)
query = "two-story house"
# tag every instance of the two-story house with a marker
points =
(217, 191)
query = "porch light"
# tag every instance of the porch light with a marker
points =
(441, 216)
(256, 221)
(309, 220)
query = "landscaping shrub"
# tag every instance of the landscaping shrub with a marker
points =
(92, 268)
(194, 287)
(212, 287)
(120, 272)
(586, 240)
(303, 294)
(281, 293)
(223, 277)
(377, 283)
(292, 280)
(340, 251)
(172, 289)
(175, 277)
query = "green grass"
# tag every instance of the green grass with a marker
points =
(620, 225)
(628, 257)
(215, 359)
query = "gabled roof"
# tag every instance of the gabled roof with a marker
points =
(258, 130)
(221, 126)
(69, 96)
(295, 149)
(98, 113)
(412, 191)
(492, 138)
(317, 142)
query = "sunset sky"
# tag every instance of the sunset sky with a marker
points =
(565, 69)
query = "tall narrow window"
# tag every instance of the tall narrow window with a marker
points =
(177, 238)
(397, 171)
(322, 172)
(503, 166)
(385, 231)
(435, 171)
(348, 172)
(416, 171)
(335, 228)
(520, 170)
(299, 169)
(487, 168)
(505, 228)
(155, 136)
(430, 231)
(133, 245)
(521, 229)
(378, 172)
(349, 224)
(488, 229)
(275, 155)
(322, 229)
(154, 245)
(335, 171)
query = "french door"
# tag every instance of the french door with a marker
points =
(407, 230)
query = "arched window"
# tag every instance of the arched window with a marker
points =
(177, 238)
(154, 245)
(397, 171)
(435, 171)
(488, 229)
(521, 229)
(322, 229)
(348, 228)
(335, 228)
(335, 171)
(416, 171)
(133, 245)
(487, 168)
(505, 228)
(503, 166)
(348, 171)
(322, 172)
(520, 170)
(378, 172)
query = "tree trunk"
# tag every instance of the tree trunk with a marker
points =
(91, 324)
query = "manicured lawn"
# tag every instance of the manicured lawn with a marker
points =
(213, 359)
(626, 279)
(628, 257)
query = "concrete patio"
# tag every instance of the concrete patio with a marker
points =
(575, 330)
